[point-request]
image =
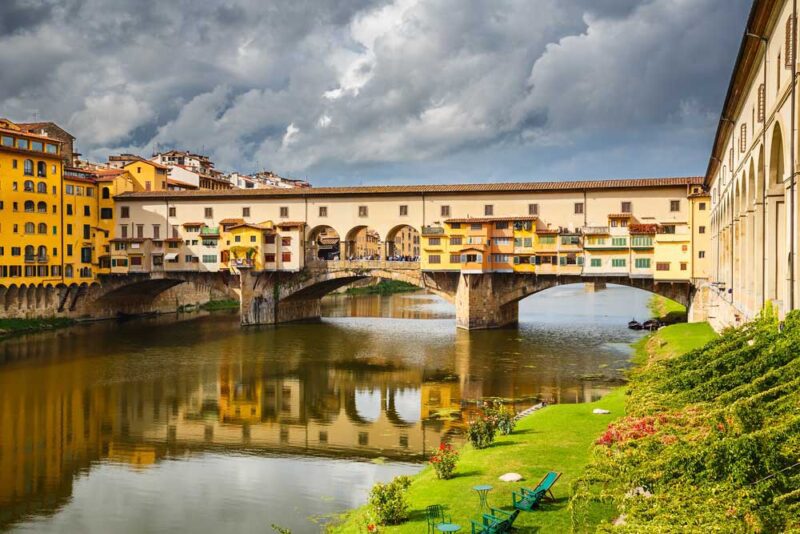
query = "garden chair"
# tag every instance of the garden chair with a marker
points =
(545, 484)
(434, 514)
(498, 522)
(527, 500)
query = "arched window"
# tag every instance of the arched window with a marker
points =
(42, 252)
(29, 206)
(106, 193)
(68, 271)
(41, 207)
(42, 228)
(29, 252)
(41, 169)
(30, 228)
(28, 167)
(41, 187)
(28, 186)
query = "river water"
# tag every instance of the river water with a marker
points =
(194, 424)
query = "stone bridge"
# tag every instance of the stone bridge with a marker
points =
(487, 300)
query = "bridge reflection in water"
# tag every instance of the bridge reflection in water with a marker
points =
(144, 391)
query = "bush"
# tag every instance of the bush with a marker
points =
(480, 432)
(444, 461)
(388, 501)
(501, 417)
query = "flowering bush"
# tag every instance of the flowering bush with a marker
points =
(480, 432)
(628, 429)
(444, 461)
(388, 501)
(501, 417)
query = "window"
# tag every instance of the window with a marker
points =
(37, 145)
(124, 212)
(701, 254)
(547, 240)
(701, 206)
(28, 167)
(156, 231)
(533, 209)
(87, 231)
(488, 210)
(323, 211)
(403, 210)
(455, 258)
(28, 186)
(7, 140)
(619, 242)
(626, 207)
(434, 259)
(570, 240)
(762, 99)
(284, 211)
(86, 254)
(641, 241)
(500, 258)
(684, 266)
(140, 231)
(269, 257)
(455, 240)
(501, 225)
(701, 230)
(642, 263)
(209, 258)
(286, 257)
(252, 239)
(69, 229)
(172, 211)
(662, 266)
(41, 228)
(208, 213)
(362, 211)
(674, 205)
(123, 231)
(476, 226)
(237, 239)
(445, 211)
(455, 226)
(668, 229)
(596, 262)
(578, 208)
(106, 213)
(434, 241)
(618, 262)
(87, 211)
(245, 213)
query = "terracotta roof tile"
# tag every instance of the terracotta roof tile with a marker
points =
(511, 187)
(194, 224)
(470, 220)
(231, 221)
(291, 223)
(620, 216)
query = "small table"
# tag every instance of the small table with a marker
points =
(448, 527)
(483, 491)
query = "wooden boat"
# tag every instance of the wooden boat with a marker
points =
(634, 325)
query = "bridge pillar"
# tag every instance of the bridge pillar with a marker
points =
(260, 301)
(477, 307)
(593, 287)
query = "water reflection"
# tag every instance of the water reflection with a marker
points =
(78, 402)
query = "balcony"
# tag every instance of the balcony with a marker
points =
(596, 230)
(432, 230)
(42, 258)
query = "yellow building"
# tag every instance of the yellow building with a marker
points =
(30, 207)
(147, 175)
(524, 246)
(79, 202)
(249, 245)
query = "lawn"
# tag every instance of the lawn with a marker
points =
(667, 310)
(673, 340)
(556, 438)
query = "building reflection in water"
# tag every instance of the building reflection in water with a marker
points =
(135, 394)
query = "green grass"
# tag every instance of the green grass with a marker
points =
(667, 310)
(384, 287)
(672, 341)
(213, 305)
(14, 326)
(556, 438)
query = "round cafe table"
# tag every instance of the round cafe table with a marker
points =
(483, 492)
(448, 527)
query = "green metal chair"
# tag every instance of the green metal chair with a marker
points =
(527, 501)
(498, 522)
(546, 484)
(434, 514)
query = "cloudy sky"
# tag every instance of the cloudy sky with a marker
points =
(394, 91)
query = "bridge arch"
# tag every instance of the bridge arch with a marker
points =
(777, 215)
(323, 243)
(403, 240)
(362, 242)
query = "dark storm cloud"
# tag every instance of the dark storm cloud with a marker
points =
(403, 90)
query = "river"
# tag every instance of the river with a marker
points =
(194, 424)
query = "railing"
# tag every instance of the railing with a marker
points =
(42, 258)
(30, 258)
(432, 230)
(595, 230)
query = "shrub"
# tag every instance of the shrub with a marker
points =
(388, 501)
(480, 432)
(444, 461)
(501, 417)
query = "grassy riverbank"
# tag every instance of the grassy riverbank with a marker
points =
(558, 437)
(666, 310)
(555, 438)
(712, 437)
(384, 287)
(20, 326)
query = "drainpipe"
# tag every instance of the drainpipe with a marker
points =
(62, 221)
(792, 157)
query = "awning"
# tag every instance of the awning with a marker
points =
(170, 256)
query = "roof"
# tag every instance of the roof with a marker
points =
(620, 215)
(194, 224)
(507, 187)
(181, 183)
(642, 228)
(28, 126)
(250, 225)
(287, 224)
(746, 61)
(231, 221)
(133, 158)
(470, 220)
